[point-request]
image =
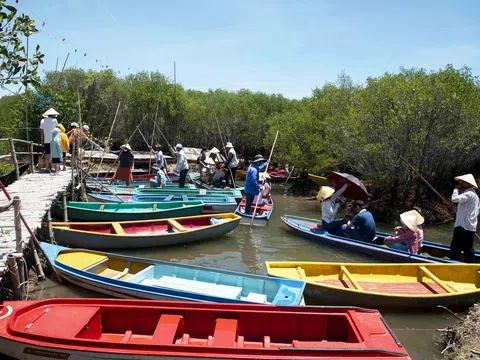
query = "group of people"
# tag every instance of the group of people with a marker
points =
(56, 142)
(409, 236)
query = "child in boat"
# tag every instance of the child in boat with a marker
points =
(266, 189)
(409, 236)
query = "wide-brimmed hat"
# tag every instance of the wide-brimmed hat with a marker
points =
(468, 178)
(126, 146)
(259, 158)
(215, 150)
(210, 161)
(325, 192)
(412, 219)
(179, 146)
(49, 112)
(419, 218)
(229, 145)
(74, 125)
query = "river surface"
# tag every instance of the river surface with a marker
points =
(242, 250)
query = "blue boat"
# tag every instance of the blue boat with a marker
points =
(213, 204)
(262, 212)
(132, 277)
(430, 252)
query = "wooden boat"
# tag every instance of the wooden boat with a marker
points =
(201, 185)
(385, 285)
(95, 211)
(133, 329)
(127, 276)
(216, 192)
(262, 213)
(140, 234)
(430, 252)
(319, 180)
(125, 190)
(212, 204)
(9, 177)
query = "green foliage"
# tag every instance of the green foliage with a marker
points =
(15, 66)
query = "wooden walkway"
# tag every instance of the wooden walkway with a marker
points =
(37, 192)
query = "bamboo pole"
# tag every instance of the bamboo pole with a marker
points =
(226, 154)
(258, 197)
(153, 136)
(14, 276)
(108, 138)
(22, 275)
(32, 159)
(14, 158)
(64, 206)
(291, 172)
(103, 186)
(18, 224)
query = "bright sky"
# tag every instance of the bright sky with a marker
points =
(286, 47)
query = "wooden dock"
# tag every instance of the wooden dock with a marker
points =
(37, 192)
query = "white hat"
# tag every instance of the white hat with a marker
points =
(420, 219)
(215, 150)
(179, 146)
(86, 127)
(229, 145)
(210, 161)
(468, 178)
(409, 221)
(74, 124)
(126, 146)
(49, 112)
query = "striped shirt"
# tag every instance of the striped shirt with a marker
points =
(467, 210)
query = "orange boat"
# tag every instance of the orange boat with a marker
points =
(80, 329)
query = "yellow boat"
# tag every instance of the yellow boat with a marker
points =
(319, 180)
(384, 285)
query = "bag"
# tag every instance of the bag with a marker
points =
(41, 162)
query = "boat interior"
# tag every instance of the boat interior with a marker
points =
(262, 210)
(207, 327)
(400, 279)
(155, 227)
(139, 207)
(204, 198)
(186, 279)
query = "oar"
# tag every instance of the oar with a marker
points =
(108, 138)
(258, 196)
(290, 174)
(221, 138)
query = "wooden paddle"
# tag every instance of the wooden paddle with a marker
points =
(226, 154)
(258, 196)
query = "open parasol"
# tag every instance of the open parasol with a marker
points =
(356, 190)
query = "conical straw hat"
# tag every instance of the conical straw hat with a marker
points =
(468, 178)
(420, 219)
(210, 161)
(50, 112)
(215, 150)
(410, 221)
(325, 192)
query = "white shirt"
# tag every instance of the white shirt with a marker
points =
(47, 125)
(330, 206)
(467, 210)
(159, 159)
(182, 163)
(234, 162)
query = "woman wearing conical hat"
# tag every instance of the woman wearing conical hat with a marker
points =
(466, 220)
(124, 170)
(409, 236)
(328, 196)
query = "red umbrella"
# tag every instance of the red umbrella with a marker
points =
(356, 190)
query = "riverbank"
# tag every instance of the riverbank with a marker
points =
(463, 339)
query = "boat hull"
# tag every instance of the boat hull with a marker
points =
(262, 213)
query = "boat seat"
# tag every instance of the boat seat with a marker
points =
(423, 270)
(344, 272)
(184, 198)
(117, 228)
(197, 287)
(175, 224)
(255, 298)
(225, 332)
(169, 198)
(82, 260)
(166, 329)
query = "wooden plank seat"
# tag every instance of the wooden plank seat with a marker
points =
(117, 228)
(176, 225)
(169, 198)
(225, 332)
(167, 327)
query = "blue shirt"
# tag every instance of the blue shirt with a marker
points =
(365, 225)
(252, 182)
(161, 176)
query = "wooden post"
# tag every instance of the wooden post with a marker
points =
(14, 277)
(22, 275)
(18, 224)
(32, 159)
(72, 166)
(64, 207)
(14, 158)
(49, 222)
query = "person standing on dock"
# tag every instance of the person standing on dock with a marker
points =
(124, 170)
(65, 145)
(466, 220)
(182, 164)
(231, 164)
(252, 182)
(56, 150)
(48, 123)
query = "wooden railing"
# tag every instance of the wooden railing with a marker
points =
(13, 154)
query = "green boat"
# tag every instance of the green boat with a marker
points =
(214, 192)
(129, 211)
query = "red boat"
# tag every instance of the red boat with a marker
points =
(133, 329)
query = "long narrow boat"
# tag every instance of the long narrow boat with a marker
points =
(131, 277)
(126, 190)
(140, 234)
(145, 330)
(262, 212)
(201, 185)
(385, 285)
(212, 204)
(319, 180)
(95, 211)
(430, 252)
(216, 192)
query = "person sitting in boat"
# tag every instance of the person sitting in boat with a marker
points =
(220, 177)
(207, 172)
(266, 190)
(159, 181)
(252, 181)
(362, 226)
(328, 196)
(409, 236)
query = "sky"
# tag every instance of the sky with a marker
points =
(286, 47)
